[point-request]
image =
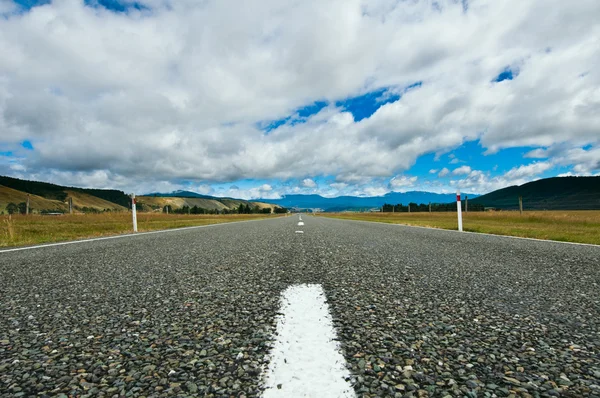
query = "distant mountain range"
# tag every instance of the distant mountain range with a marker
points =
(556, 193)
(181, 194)
(343, 203)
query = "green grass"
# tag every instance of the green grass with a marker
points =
(566, 226)
(22, 230)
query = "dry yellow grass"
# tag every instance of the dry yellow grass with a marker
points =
(208, 204)
(177, 203)
(566, 226)
(19, 230)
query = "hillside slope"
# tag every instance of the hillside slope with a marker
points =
(36, 203)
(557, 193)
(158, 202)
(58, 192)
(81, 200)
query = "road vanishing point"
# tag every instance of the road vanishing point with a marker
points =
(325, 308)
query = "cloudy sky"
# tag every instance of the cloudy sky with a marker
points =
(268, 97)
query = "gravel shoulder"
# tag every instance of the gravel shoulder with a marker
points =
(418, 312)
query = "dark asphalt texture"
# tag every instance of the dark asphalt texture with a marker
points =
(418, 312)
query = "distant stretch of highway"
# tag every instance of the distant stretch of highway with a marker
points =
(297, 307)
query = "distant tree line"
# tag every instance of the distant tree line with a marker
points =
(241, 209)
(422, 207)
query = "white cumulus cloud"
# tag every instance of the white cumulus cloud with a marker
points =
(309, 183)
(402, 183)
(179, 93)
(461, 170)
(443, 172)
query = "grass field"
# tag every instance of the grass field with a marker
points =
(566, 226)
(22, 230)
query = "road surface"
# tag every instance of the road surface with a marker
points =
(417, 312)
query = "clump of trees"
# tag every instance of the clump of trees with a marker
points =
(20, 208)
(241, 209)
(12, 208)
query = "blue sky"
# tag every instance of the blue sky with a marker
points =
(263, 100)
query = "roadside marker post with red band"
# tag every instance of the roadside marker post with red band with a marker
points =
(133, 212)
(459, 210)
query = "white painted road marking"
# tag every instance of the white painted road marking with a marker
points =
(299, 232)
(306, 360)
(300, 223)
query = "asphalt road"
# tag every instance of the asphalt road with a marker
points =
(418, 312)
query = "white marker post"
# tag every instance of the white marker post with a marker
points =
(133, 212)
(459, 210)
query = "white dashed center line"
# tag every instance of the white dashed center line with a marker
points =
(306, 360)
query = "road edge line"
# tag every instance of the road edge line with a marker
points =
(71, 242)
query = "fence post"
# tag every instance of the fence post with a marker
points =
(459, 211)
(133, 212)
(27, 206)
(466, 204)
(430, 207)
(520, 205)
(70, 205)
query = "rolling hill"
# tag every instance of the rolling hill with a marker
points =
(179, 199)
(59, 192)
(46, 197)
(556, 193)
(37, 204)
(9, 195)
(156, 202)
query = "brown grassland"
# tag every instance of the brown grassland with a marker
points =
(20, 230)
(567, 226)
